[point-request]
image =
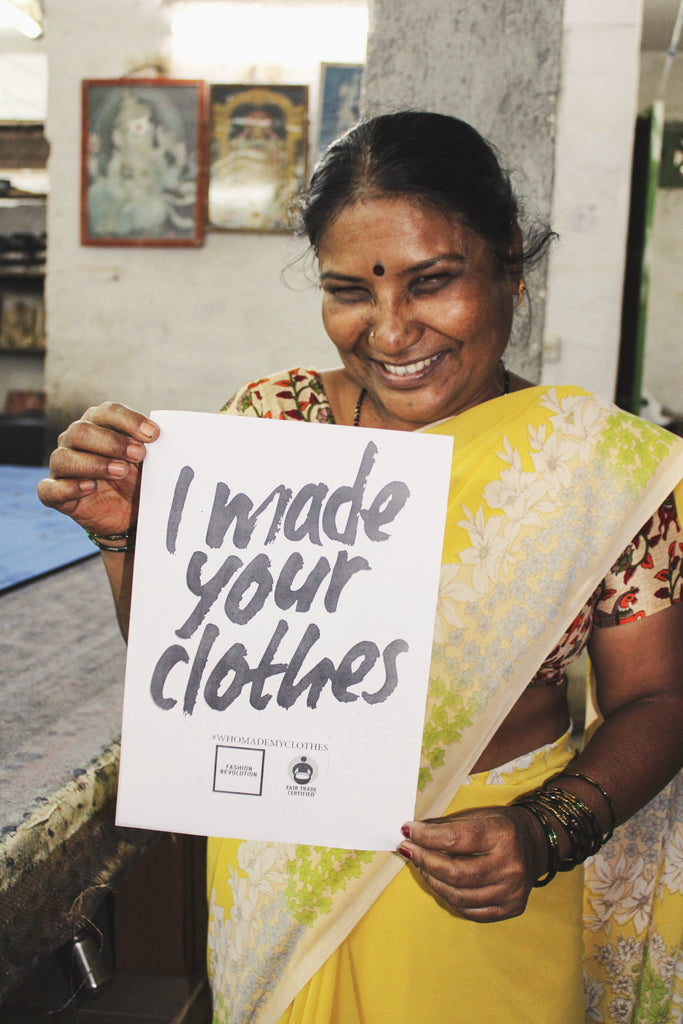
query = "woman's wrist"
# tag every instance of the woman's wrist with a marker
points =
(592, 794)
(120, 543)
(572, 829)
(542, 849)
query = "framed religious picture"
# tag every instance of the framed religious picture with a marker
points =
(340, 86)
(258, 149)
(22, 323)
(142, 162)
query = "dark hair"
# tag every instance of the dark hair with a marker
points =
(429, 158)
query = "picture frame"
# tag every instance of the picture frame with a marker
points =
(143, 162)
(22, 323)
(258, 146)
(340, 98)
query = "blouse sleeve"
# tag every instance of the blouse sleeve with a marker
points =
(647, 576)
(249, 401)
(292, 395)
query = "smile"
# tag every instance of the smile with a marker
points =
(407, 369)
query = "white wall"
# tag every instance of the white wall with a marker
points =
(23, 86)
(595, 124)
(23, 77)
(172, 328)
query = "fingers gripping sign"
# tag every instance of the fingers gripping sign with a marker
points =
(481, 863)
(95, 471)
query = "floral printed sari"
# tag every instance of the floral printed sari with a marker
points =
(633, 918)
(548, 486)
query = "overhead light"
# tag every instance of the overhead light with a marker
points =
(334, 31)
(24, 15)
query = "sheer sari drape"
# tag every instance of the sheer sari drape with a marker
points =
(548, 486)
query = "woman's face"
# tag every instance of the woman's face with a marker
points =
(418, 309)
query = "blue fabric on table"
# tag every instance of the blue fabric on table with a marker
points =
(34, 540)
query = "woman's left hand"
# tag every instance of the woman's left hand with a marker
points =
(481, 862)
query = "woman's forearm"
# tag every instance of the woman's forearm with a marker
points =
(119, 568)
(635, 752)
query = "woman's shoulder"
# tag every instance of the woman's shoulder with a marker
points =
(296, 394)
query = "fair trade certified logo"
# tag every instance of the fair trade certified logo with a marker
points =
(239, 770)
(301, 775)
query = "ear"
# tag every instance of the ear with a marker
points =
(514, 262)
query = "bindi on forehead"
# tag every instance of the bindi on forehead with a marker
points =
(378, 270)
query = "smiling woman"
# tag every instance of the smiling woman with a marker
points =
(561, 533)
(425, 340)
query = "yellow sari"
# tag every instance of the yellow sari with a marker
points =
(410, 959)
(548, 486)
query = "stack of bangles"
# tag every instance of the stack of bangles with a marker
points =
(575, 816)
(108, 543)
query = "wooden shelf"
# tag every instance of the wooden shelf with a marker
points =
(13, 271)
(34, 352)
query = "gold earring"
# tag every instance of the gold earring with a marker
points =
(520, 291)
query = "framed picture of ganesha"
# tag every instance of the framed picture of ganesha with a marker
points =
(142, 162)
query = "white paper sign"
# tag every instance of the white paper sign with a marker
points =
(284, 596)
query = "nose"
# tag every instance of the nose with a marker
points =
(392, 330)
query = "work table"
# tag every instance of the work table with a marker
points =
(62, 665)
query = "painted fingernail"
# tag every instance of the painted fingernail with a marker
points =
(405, 830)
(116, 468)
(405, 852)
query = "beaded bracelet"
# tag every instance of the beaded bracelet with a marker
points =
(103, 543)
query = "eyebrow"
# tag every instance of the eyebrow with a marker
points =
(340, 277)
(442, 257)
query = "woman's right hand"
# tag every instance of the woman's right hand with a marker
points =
(95, 472)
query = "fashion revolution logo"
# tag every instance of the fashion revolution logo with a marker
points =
(238, 770)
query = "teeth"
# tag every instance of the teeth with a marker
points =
(408, 368)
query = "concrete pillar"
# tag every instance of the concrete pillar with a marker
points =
(495, 64)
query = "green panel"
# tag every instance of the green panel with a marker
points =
(671, 173)
(645, 176)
